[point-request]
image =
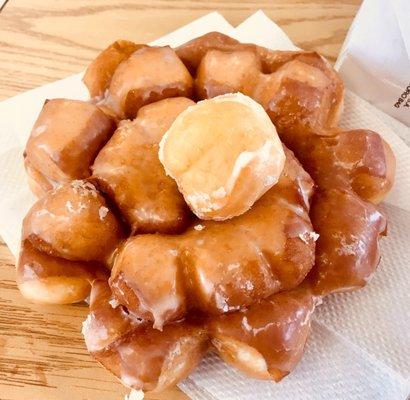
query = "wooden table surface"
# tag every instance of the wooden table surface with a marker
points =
(42, 355)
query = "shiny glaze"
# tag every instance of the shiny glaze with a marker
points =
(224, 153)
(212, 80)
(298, 93)
(348, 246)
(358, 160)
(99, 73)
(294, 87)
(73, 222)
(148, 280)
(107, 321)
(193, 51)
(266, 340)
(64, 141)
(303, 96)
(46, 279)
(37, 182)
(129, 171)
(148, 75)
(140, 356)
(222, 277)
(221, 266)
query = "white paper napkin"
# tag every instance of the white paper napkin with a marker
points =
(375, 58)
(360, 342)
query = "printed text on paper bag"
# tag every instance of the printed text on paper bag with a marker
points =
(404, 99)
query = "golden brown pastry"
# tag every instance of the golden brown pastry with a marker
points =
(46, 279)
(129, 171)
(64, 141)
(222, 181)
(303, 96)
(140, 356)
(246, 286)
(221, 266)
(358, 160)
(193, 51)
(294, 87)
(99, 73)
(244, 67)
(73, 222)
(38, 184)
(148, 75)
(348, 245)
(353, 169)
(267, 340)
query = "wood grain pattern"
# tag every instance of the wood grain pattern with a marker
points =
(42, 355)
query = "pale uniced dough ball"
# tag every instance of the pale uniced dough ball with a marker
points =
(224, 153)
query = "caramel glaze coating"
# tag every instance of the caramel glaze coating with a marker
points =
(303, 97)
(266, 340)
(348, 246)
(217, 267)
(304, 92)
(99, 73)
(64, 141)
(150, 74)
(129, 172)
(45, 279)
(358, 160)
(73, 222)
(38, 184)
(353, 169)
(296, 88)
(276, 79)
(235, 284)
(211, 80)
(191, 53)
(143, 358)
(194, 52)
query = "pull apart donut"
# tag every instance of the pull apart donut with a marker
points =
(206, 200)
(218, 267)
(303, 97)
(68, 238)
(265, 341)
(128, 170)
(64, 142)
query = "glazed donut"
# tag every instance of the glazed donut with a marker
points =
(303, 89)
(68, 239)
(73, 222)
(147, 75)
(264, 341)
(51, 280)
(128, 170)
(354, 170)
(99, 73)
(143, 358)
(303, 97)
(64, 141)
(359, 160)
(245, 287)
(267, 340)
(217, 267)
